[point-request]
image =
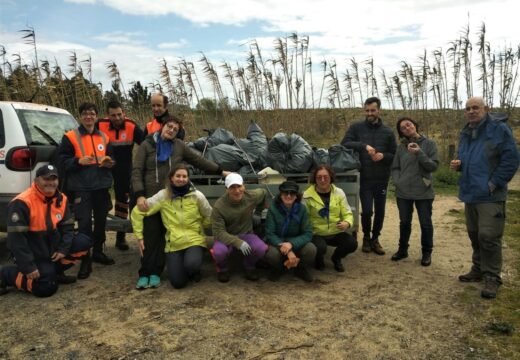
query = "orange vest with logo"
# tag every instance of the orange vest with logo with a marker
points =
(118, 137)
(94, 144)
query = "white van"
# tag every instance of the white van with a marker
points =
(29, 136)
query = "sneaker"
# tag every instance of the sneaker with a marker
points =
(319, 264)
(490, 289)
(101, 258)
(472, 276)
(376, 247)
(154, 282)
(65, 279)
(303, 274)
(223, 276)
(252, 275)
(142, 283)
(338, 266)
(366, 244)
(399, 255)
(426, 259)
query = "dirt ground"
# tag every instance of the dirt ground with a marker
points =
(377, 309)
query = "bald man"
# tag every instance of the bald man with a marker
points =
(487, 159)
(160, 113)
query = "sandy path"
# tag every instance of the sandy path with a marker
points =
(378, 309)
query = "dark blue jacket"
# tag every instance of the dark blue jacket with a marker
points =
(489, 158)
(380, 137)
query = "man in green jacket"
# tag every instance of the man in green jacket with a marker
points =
(232, 222)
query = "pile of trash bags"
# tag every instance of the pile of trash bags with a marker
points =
(285, 153)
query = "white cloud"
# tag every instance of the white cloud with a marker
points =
(81, 1)
(173, 45)
(120, 37)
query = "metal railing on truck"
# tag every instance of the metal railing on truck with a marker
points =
(212, 187)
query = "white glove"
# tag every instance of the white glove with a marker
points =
(245, 248)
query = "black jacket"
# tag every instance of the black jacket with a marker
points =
(380, 137)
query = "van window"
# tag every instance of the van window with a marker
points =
(2, 130)
(43, 127)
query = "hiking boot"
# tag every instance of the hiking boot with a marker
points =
(366, 244)
(101, 258)
(154, 281)
(142, 283)
(376, 247)
(472, 276)
(85, 267)
(319, 263)
(274, 275)
(252, 275)
(400, 255)
(303, 273)
(121, 243)
(65, 279)
(426, 259)
(490, 289)
(338, 266)
(223, 276)
(196, 277)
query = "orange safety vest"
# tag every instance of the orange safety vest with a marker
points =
(153, 126)
(118, 137)
(35, 201)
(94, 144)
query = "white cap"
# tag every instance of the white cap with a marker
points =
(233, 179)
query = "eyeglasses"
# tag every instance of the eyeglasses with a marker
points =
(289, 193)
(323, 177)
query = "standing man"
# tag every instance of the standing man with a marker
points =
(40, 235)
(487, 159)
(160, 114)
(85, 155)
(122, 133)
(232, 222)
(375, 144)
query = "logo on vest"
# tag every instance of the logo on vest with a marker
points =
(58, 216)
(15, 217)
(100, 147)
(123, 136)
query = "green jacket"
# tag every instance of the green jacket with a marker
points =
(412, 174)
(339, 210)
(229, 219)
(149, 175)
(298, 231)
(184, 218)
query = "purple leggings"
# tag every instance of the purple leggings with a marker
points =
(221, 252)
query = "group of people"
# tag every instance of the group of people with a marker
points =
(170, 216)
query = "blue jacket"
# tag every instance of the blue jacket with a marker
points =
(489, 158)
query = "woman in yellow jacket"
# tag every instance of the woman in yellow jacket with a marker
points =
(184, 212)
(330, 216)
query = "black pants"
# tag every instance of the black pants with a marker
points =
(373, 201)
(95, 203)
(152, 262)
(121, 191)
(424, 211)
(344, 243)
(183, 264)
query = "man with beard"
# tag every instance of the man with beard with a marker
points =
(375, 143)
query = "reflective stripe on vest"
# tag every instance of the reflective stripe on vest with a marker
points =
(87, 149)
(126, 135)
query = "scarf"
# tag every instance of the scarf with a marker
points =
(164, 149)
(290, 214)
(180, 191)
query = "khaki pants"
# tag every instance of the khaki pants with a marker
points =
(485, 224)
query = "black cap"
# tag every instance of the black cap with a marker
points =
(47, 170)
(289, 186)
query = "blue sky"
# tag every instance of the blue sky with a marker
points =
(138, 34)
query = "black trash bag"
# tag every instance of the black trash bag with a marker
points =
(254, 145)
(343, 159)
(229, 157)
(199, 143)
(246, 170)
(289, 154)
(220, 136)
(320, 156)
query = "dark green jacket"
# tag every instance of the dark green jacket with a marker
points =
(299, 229)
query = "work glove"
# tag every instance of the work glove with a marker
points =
(245, 248)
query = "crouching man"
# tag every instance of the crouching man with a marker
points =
(40, 235)
(232, 222)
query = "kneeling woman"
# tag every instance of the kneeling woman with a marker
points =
(288, 232)
(184, 212)
(330, 216)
